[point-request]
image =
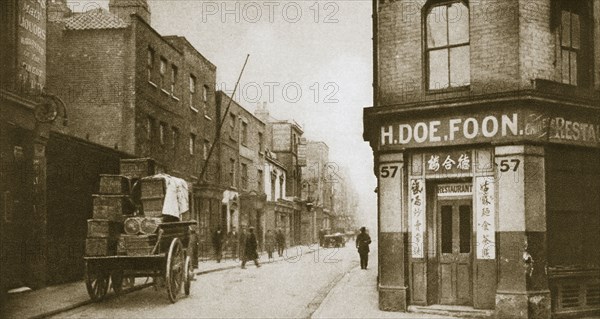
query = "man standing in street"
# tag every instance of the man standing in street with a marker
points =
(217, 241)
(280, 238)
(250, 249)
(362, 244)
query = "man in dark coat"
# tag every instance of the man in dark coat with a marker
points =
(280, 239)
(250, 246)
(362, 244)
(217, 241)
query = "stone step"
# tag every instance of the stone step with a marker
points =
(452, 311)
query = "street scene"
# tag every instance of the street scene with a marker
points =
(300, 159)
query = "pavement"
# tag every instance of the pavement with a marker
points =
(53, 300)
(355, 296)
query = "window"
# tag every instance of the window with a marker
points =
(244, 133)
(231, 172)
(150, 64)
(174, 71)
(205, 99)
(162, 70)
(193, 92)
(447, 49)
(273, 185)
(576, 42)
(244, 176)
(232, 125)
(260, 142)
(175, 137)
(260, 177)
(281, 189)
(192, 143)
(149, 125)
(206, 149)
(162, 128)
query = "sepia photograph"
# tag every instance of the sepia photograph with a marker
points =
(308, 159)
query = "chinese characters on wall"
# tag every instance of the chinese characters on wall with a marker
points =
(417, 216)
(485, 216)
(448, 163)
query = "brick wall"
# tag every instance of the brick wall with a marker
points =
(172, 106)
(511, 43)
(86, 70)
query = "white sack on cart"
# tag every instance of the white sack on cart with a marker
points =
(176, 195)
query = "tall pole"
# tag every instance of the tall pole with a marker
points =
(218, 133)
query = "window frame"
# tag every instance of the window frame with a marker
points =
(151, 56)
(244, 133)
(244, 173)
(192, 146)
(162, 70)
(174, 76)
(174, 137)
(426, 50)
(585, 64)
(193, 83)
(162, 128)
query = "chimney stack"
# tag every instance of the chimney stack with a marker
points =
(125, 8)
(58, 10)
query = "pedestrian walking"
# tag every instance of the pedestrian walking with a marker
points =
(241, 244)
(217, 241)
(321, 237)
(270, 243)
(250, 246)
(280, 239)
(362, 244)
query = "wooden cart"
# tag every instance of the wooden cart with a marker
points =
(169, 263)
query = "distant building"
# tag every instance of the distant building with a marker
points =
(242, 144)
(290, 151)
(485, 130)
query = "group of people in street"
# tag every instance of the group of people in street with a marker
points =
(245, 245)
(248, 245)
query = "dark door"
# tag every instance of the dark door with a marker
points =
(15, 204)
(455, 245)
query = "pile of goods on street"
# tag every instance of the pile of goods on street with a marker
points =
(130, 207)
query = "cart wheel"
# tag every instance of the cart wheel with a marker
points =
(188, 270)
(116, 279)
(174, 272)
(96, 283)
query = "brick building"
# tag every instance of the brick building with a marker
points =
(290, 150)
(136, 92)
(316, 186)
(242, 143)
(486, 134)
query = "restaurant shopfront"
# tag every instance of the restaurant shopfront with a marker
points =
(489, 208)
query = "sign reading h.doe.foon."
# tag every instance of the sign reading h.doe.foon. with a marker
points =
(481, 128)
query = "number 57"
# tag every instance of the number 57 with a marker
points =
(385, 171)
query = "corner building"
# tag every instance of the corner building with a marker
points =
(485, 130)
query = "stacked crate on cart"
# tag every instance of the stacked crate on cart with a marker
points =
(110, 208)
(140, 236)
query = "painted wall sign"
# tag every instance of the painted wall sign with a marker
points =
(486, 127)
(31, 53)
(448, 163)
(417, 216)
(486, 217)
(455, 189)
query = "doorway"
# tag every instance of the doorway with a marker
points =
(455, 225)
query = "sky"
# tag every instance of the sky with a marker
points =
(310, 60)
